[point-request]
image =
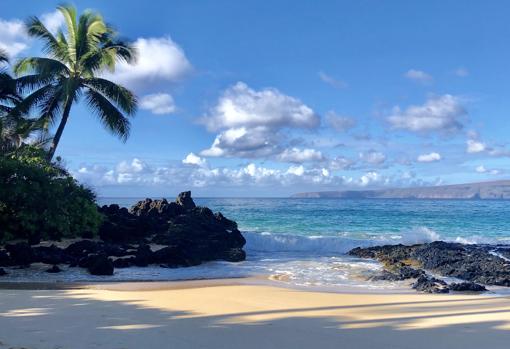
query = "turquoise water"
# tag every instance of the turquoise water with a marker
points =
(465, 221)
(304, 241)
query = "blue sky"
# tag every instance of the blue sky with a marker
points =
(260, 98)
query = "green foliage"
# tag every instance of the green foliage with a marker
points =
(40, 200)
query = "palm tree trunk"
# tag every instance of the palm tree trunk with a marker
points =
(60, 129)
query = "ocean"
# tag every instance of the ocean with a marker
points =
(304, 242)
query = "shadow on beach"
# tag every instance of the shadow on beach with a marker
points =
(81, 319)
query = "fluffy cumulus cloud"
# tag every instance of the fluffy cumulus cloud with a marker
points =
(160, 60)
(13, 37)
(300, 155)
(419, 76)
(158, 103)
(475, 146)
(328, 79)
(195, 160)
(53, 21)
(193, 172)
(430, 157)
(340, 123)
(251, 123)
(437, 114)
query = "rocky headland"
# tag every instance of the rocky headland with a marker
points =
(152, 232)
(474, 265)
(495, 190)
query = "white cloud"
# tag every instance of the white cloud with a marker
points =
(300, 155)
(340, 163)
(482, 169)
(192, 159)
(160, 60)
(53, 21)
(369, 178)
(328, 79)
(251, 123)
(373, 157)
(137, 173)
(442, 114)
(13, 37)
(158, 103)
(241, 106)
(475, 146)
(296, 170)
(340, 123)
(431, 157)
(419, 76)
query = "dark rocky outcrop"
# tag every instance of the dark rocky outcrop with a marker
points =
(430, 285)
(474, 263)
(54, 269)
(185, 201)
(20, 254)
(467, 287)
(99, 265)
(189, 235)
(5, 260)
(402, 273)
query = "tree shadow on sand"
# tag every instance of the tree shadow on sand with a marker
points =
(64, 319)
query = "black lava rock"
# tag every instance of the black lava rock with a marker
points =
(430, 285)
(54, 269)
(20, 254)
(100, 265)
(467, 287)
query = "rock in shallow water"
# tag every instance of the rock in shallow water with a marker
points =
(467, 287)
(430, 285)
(474, 263)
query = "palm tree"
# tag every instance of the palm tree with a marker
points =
(8, 93)
(71, 70)
(16, 128)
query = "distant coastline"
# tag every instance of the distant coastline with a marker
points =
(495, 190)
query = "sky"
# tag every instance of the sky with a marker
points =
(270, 98)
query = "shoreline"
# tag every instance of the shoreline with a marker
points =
(259, 280)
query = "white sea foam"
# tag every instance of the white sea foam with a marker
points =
(343, 242)
(331, 244)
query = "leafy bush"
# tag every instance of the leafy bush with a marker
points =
(40, 200)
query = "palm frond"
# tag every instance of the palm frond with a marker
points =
(121, 96)
(41, 66)
(69, 13)
(108, 114)
(4, 58)
(31, 82)
(51, 46)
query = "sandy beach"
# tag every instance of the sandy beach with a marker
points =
(245, 314)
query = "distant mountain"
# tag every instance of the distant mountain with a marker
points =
(496, 190)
